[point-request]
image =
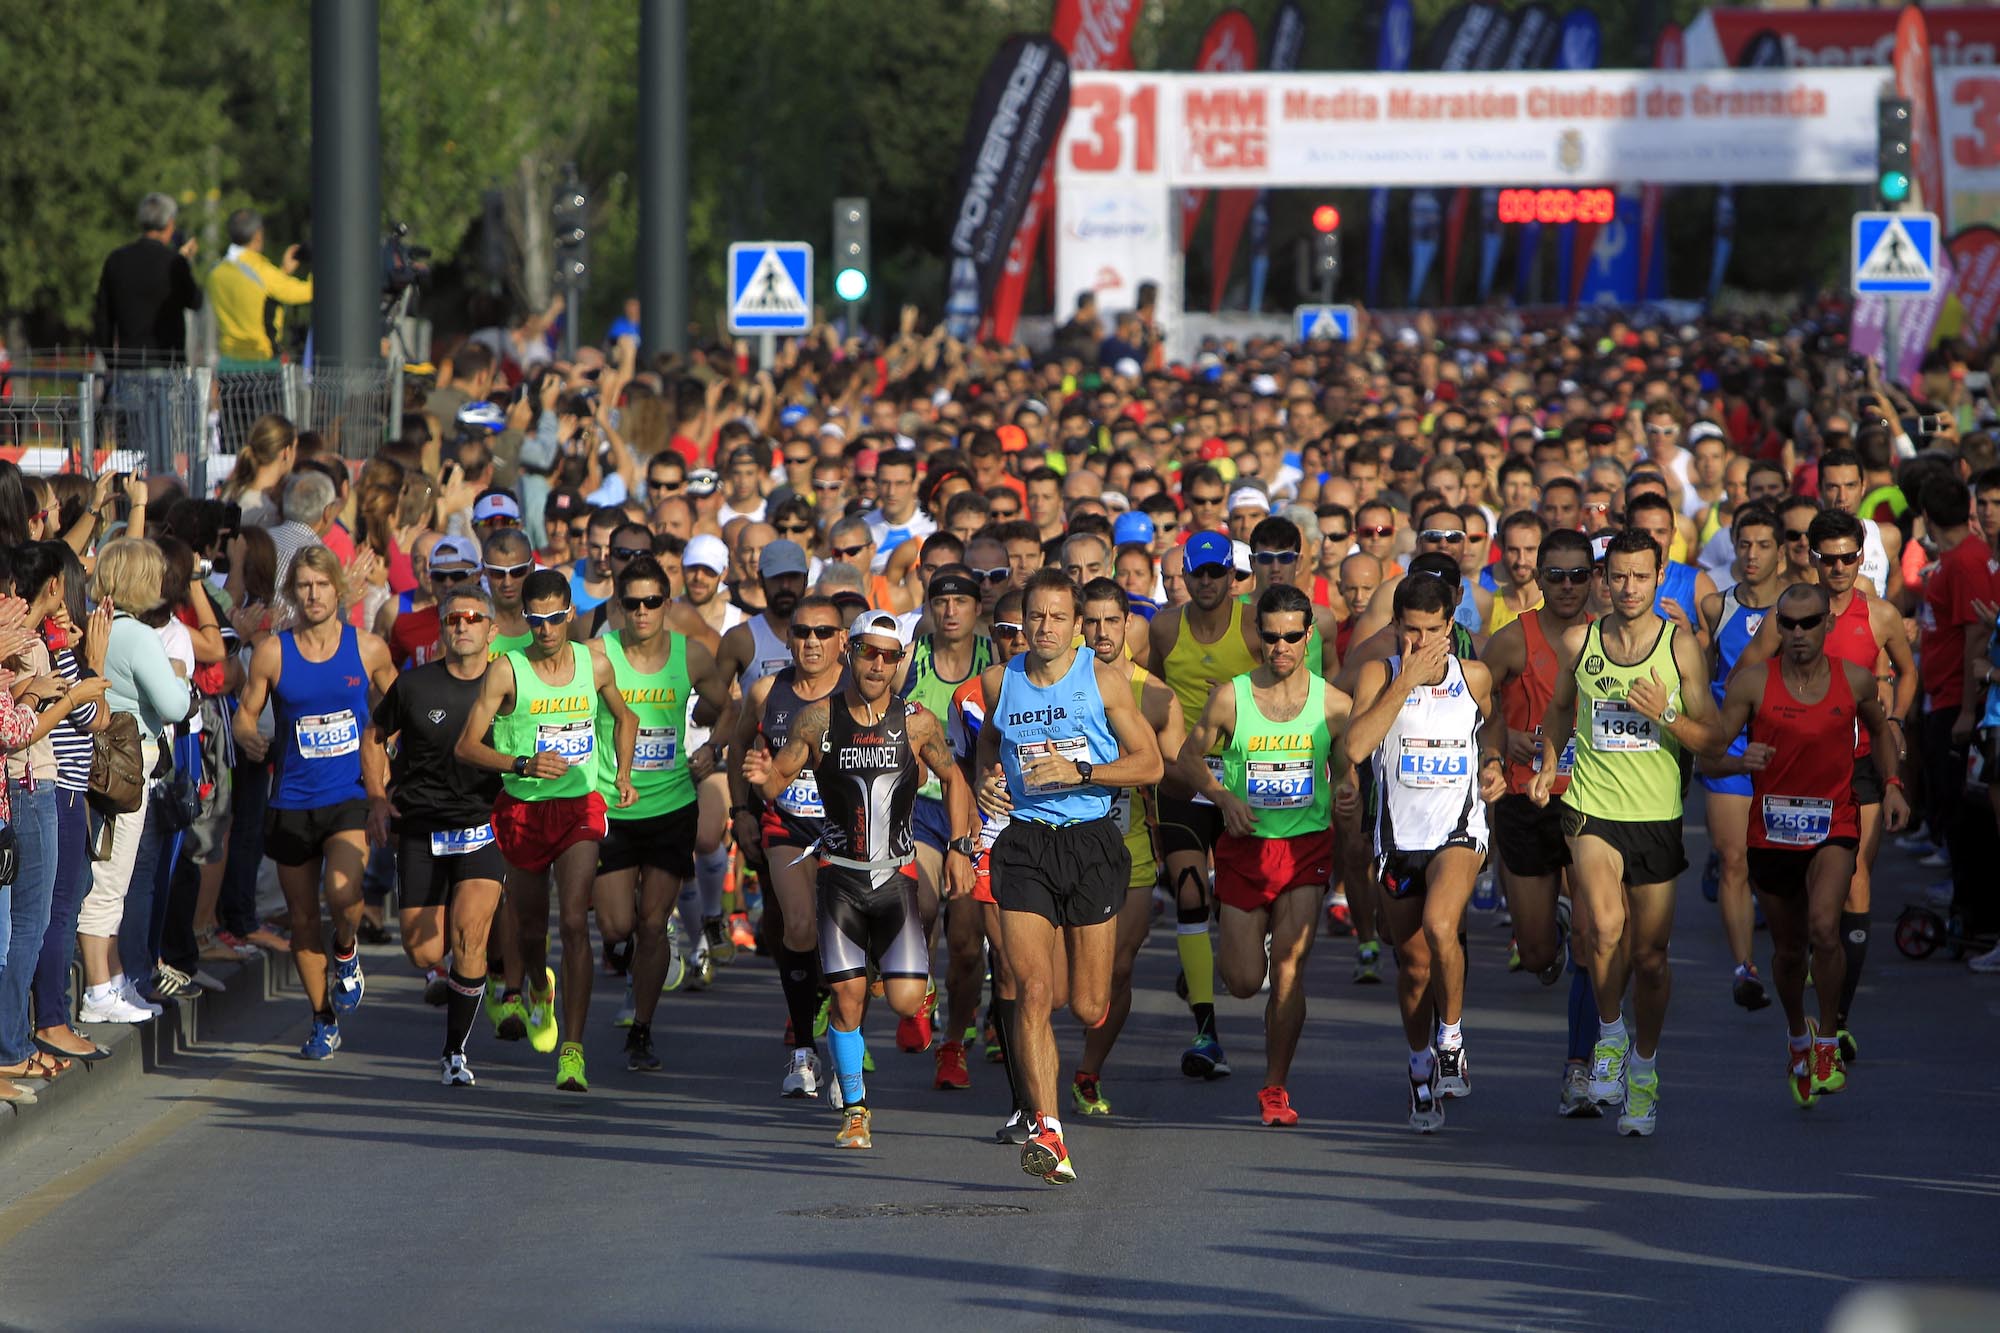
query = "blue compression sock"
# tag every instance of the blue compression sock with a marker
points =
(1582, 1015)
(848, 1051)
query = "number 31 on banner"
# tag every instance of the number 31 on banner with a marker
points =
(1120, 129)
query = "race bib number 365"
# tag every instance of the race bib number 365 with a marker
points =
(1616, 726)
(655, 750)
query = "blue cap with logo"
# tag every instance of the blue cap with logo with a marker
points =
(1209, 548)
(1132, 527)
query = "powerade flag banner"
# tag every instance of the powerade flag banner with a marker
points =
(1453, 47)
(1098, 35)
(1764, 51)
(1493, 44)
(1281, 53)
(1531, 46)
(1229, 46)
(1975, 262)
(1392, 56)
(1579, 47)
(1016, 115)
(1913, 80)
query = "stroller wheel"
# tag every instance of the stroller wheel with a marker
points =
(1919, 932)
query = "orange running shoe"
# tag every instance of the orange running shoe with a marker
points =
(1275, 1107)
(951, 1070)
(914, 1034)
(1046, 1157)
(740, 933)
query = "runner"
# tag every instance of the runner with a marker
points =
(1276, 728)
(409, 624)
(1642, 687)
(437, 815)
(1732, 618)
(1868, 632)
(321, 678)
(1195, 647)
(1527, 838)
(647, 853)
(1107, 618)
(701, 919)
(509, 559)
(790, 823)
(1424, 720)
(939, 662)
(1063, 732)
(863, 744)
(1841, 487)
(759, 646)
(1520, 591)
(539, 704)
(1806, 826)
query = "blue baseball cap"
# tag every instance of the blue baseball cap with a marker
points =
(1132, 527)
(791, 416)
(1208, 548)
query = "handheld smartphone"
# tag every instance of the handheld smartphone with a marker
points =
(1930, 424)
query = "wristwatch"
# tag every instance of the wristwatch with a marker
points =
(965, 847)
(520, 766)
(1668, 714)
(1083, 770)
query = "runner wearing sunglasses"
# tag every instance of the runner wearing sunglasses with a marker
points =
(412, 632)
(508, 561)
(761, 645)
(703, 565)
(1440, 531)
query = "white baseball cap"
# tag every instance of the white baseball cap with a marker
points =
(879, 622)
(1249, 497)
(706, 551)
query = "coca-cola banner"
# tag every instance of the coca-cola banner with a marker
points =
(1097, 34)
(1017, 112)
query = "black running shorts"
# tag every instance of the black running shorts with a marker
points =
(1651, 848)
(427, 878)
(1529, 837)
(1186, 826)
(1068, 874)
(297, 837)
(1782, 871)
(663, 842)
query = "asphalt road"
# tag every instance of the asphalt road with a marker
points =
(247, 1187)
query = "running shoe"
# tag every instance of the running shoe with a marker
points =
(700, 968)
(1339, 918)
(1454, 1072)
(951, 1070)
(677, 961)
(1938, 859)
(867, 1061)
(740, 932)
(348, 983)
(237, 944)
(1917, 843)
(1204, 1059)
(994, 1055)
(1749, 989)
(1046, 1157)
(834, 1096)
(454, 1072)
(1086, 1096)
(1607, 1071)
(1988, 962)
(510, 1018)
(1850, 1049)
(720, 946)
(323, 1041)
(639, 1056)
(496, 989)
(1368, 964)
(569, 1068)
(1642, 1103)
(371, 932)
(136, 998)
(437, 987)
(1015, 1131)
(1426, 1111)
(542, 1015)
(1575, 1103)
(623, 1018)
(819, 1019)
(855, 1130)
(803, 1074)
(1274, 1107)
(914, 1034)
(1799, 1074)
(1828, 1076)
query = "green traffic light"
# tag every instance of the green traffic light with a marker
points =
(1894, 187)
(850, 284)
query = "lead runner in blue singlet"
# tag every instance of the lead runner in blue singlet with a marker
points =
(1063, 731)
(322, 678)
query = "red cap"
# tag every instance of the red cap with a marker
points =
(1012, 439)
(865, 461)
(1213, 448)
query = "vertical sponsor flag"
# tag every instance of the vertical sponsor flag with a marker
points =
(1763, 51)
(1531, 45)
(1913, 80)
(1581, 46)
(1281, 53)
(1392, 56)
(1668, 53)
(1097, 34)
(1453, 47)
(1229, 46)
(1975, 261)
(1017, 112)
(1491, 53)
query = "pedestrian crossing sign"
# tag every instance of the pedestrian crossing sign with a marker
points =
(1895, 254)
(770, 287)
(1314, 323)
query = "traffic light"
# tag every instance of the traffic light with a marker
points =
(572, 227)
(1892, 151)
(850, 250)
(1326, 249)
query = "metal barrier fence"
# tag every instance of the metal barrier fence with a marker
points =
(69, 411)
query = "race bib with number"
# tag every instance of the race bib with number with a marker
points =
(655, 750)
(1616, 726)
(1429, 762)
(1121, 809)
(574, 741)
(459, 841)
(1214, 762)
(1278, 784)
(329, 735)
(801, 799)
(1564, 761)
(1797, 821)
(1072, 748)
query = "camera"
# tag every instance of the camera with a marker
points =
(403, 265)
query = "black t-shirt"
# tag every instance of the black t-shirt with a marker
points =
(431, 786)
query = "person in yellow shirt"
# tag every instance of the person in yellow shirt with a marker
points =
(249, 293)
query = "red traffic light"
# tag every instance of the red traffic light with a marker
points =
(1326, 218)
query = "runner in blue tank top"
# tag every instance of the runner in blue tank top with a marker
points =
(322, 678)
(1063, 731)
(1684, 589)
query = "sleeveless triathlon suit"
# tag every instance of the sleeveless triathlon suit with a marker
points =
(796, 816)
(867, 859)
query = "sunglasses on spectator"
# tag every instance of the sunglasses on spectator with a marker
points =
(1007, 629)
(794, 529)
(1205, 501)
(668, 486)
(1800, 622)
(450, 575)
(999, 575)
(820, 632)
(1663, 430)
(1210, 571)
(1275, 557)
(1005, 515)
(1442, 535)
(546, 618)
(653, 603)
(630, 552)
(848, 552)
(458, 618)
(870, 653)
(1286, 636)
(1574, 577)
(510, 571)
(1375, 532)
(1340, 536)
(1849, 558)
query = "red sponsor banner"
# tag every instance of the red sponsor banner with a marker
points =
(1975, 262)
(1098, 35)
(1960, 35)
(1668, 53)
(1913, 80)
(1225, 129)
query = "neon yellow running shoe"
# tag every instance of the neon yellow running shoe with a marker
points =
(1642, 1103)
(819, 1019)
(569, 1068)
(1086, 1097)
(542, 1015)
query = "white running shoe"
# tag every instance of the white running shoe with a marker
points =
(623, 1018)
(803, 1076)
(454, 1072)
(113, 1008)
(137, 999)
(1988, 962)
